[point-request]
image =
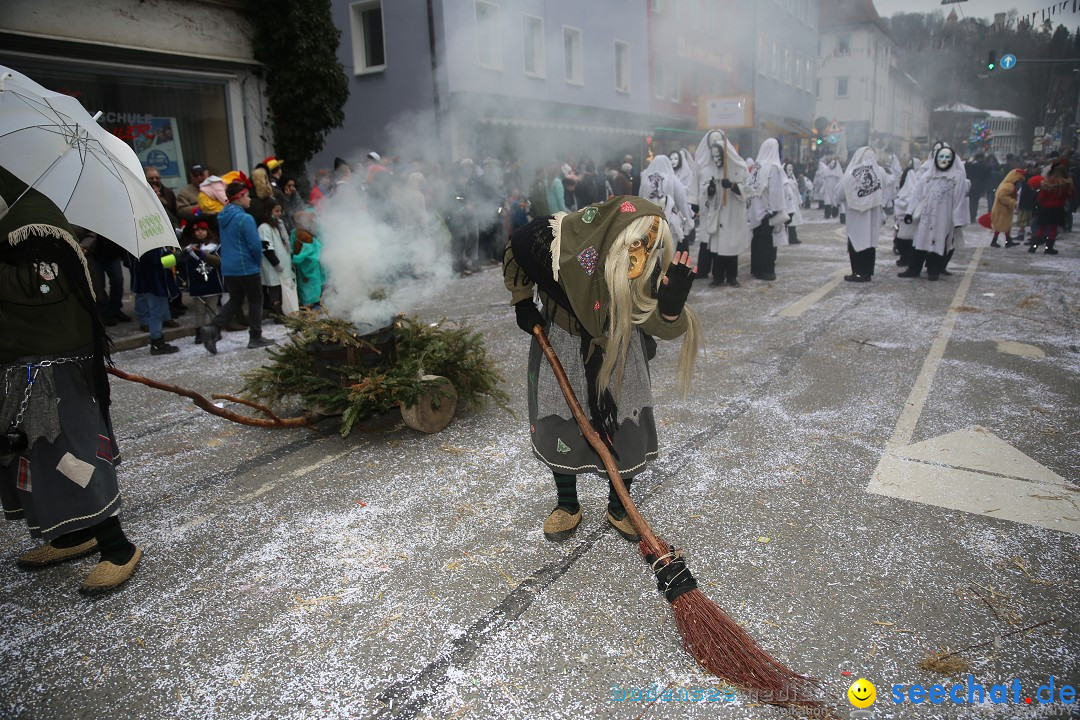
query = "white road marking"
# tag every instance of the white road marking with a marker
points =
(1021, 349)
(803, 304)
(295, 474)
(905, 426)
(267, 487)
(971, 470)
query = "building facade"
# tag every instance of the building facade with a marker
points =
(1005, 136)
(532, 80)
(784, 50)
(861, 87)
(693, 58)
(176, 81)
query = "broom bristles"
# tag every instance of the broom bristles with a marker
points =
(723, 648)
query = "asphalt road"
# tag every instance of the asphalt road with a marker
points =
(864, 473)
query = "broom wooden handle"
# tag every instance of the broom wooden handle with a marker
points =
(597, 444)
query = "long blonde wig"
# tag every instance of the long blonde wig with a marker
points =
(633, 302)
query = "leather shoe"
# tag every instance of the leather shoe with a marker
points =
(561, 523)
(908, 274)
(623, 526)
(857, 278)
(261, 342)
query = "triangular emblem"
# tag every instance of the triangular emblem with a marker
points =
(562, 447)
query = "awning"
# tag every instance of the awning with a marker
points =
(787, 126)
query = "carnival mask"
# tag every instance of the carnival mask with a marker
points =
(945, 158)
(717, 151)
(676, 160)
(641, 248)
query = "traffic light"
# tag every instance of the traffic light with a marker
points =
(991, 60)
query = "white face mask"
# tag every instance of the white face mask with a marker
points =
(717, 151)
(676, 160)
(944, 159)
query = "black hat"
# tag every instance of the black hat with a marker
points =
(338, 162)
(197, 169)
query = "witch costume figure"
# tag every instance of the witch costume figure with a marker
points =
(608, 280)
(939, 203)
(58, 452)
(719, 195)
(864, 187)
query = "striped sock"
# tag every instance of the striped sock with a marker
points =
(566, 487)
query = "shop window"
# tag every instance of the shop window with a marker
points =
(575, 73)
(171, 122)
(622, 66)
(369, 51)
(535, 64)
(488, 37)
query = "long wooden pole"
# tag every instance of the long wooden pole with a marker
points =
(598, 445)
(272, 420)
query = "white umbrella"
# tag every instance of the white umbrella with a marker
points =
(47, 139)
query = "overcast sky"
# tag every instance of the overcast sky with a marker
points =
(978, 8)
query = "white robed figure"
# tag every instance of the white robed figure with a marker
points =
(793, 204)
(767, 212)
(906, 223)
(818, 193)
(720, 194)
(864, 186)
(831, 188)
(660, 185)
(685, 170)
(939, 203)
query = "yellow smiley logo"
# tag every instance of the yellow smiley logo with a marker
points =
(862, 693)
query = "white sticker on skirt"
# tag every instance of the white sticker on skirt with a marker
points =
(76, 470)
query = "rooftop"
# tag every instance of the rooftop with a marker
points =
(840, 13)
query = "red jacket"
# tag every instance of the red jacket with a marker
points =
(1055, 192)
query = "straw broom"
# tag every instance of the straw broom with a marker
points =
(716, 641)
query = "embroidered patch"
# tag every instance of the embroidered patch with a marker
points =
(589, 215)
(588, 258)
(105, 449)
(24, 475)
(47, 271)
(562, 447)
(596, 305)
(44, 288)
(532, 378)
(627, 207)
(76, 470)
(532, 429)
